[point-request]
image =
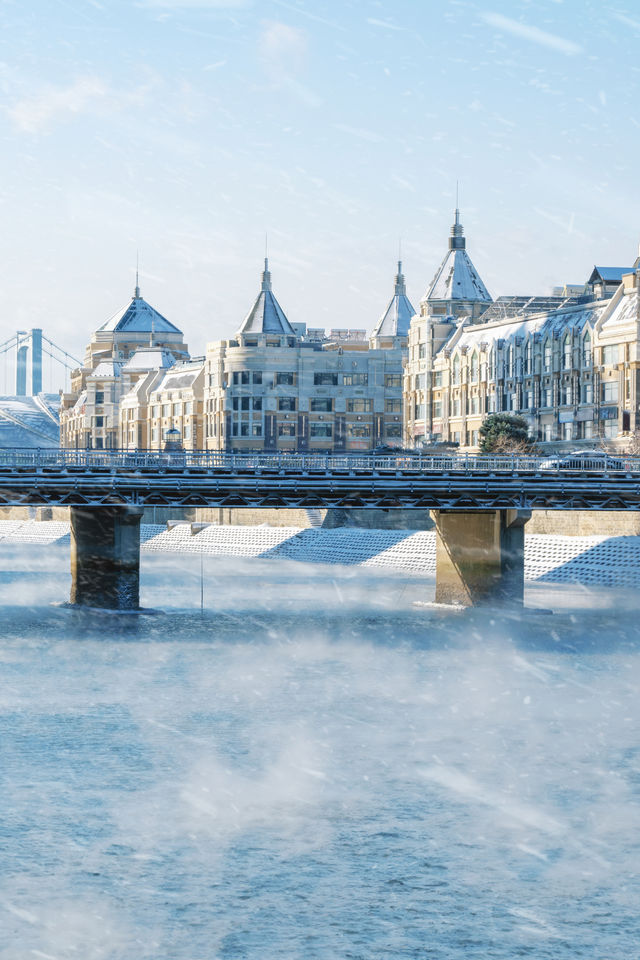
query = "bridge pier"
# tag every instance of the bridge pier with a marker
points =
(105, 557)
(480, 556)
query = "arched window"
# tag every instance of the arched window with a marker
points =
(527, 358)
(456, 369)
(566, 353)
(474, 367)
(586, 349)
(547, 356)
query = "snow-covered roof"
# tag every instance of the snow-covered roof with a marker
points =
(396, 319)
(608, 274)
(138, 316)
(266, 315)
(551, 324)
(624, 312)
(456, 277)
(513, 306)
(180, 377)
(25, 423)
(149, 358)
(107, 368)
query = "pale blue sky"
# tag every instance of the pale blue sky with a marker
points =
(188, 128)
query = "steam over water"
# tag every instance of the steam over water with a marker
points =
(314, 768)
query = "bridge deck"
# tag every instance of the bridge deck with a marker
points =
(208, 479)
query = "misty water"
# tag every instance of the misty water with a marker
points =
(314, 767)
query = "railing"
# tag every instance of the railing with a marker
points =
(152, 460)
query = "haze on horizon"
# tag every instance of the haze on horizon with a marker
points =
(188, 129)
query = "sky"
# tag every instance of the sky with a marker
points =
(189, 130)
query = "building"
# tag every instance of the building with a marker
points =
(566, 363)
(90, 412)
(275, 386)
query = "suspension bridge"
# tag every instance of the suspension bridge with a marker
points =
(30, 347)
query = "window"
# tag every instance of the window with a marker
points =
(456, 370)
(99, 396)
(437, 378)
(188, 407)
(187, 432)
(586, 350)
(358, 430)
(548, 431)
(419, 409)
(325, 379)
(547, 394)
(456, 407)
(529, 399)
(393, 381)
(474, 405)
(547, 355)
(359, 405)
(154, 434)
(244, 429)
(244, 403)
(610, 391)
(257, 376)
(528, 358)
(567, 431)
(394, 430)
(610, 354)
(437, 409)
(321, 405)
(420, 381)
(422, 351)
(257, 403)
(99, 422)
(240, 377)
(166, 409)
(473, 367)
(566, 395)
(587, 393)
(177, 409)
(393, 406)
(284, 379)
(355, 379)
(256, 429)
(235, 402)
(566, 354)
(321, 430)
(156, 410)
(286, 429)
(286, 403)
(474, 438)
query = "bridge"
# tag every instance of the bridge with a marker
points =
(480, 504)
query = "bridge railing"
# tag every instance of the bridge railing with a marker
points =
(127, 461)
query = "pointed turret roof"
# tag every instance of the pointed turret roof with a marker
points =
(138, 316)
(456, 277)
(266, 315)
(395, 321)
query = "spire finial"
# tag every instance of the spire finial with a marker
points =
(136, 293)
(457, 240)
(266, 276)
(400, 286)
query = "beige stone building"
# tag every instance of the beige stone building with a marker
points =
(568, 364)
(90, 411)
(275, 386)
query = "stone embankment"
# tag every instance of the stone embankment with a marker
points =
(590, 560)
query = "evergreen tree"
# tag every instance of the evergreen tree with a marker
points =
(504, 433)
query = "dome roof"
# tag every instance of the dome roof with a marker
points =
(266, 315)
(396, 319)
(456, 277)
(138, 317)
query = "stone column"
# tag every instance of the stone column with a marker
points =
(480, 556)
(105, 557)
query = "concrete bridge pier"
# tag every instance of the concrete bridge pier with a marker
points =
(480, 556)
(105, 557)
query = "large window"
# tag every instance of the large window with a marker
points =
(286, 403)
(257, 403)
(284, 379)
(325, 379)
(586, 350)
(286, 429)
(610, 354)
(610, 391)
(358, 430)
(321, 404)
(437, 378)
(257, 376)
(240, 377)
(566, 354)
(320, 431)
(394, 430)
(359, 405)
(473, 367)
(456, 370)
(393, 406)
(547, 355)
(355, 379)
(393, 380)
(99, 396)
(587, 393)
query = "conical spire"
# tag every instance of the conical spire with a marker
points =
(396, 319)
(266, 314)
(457, 279)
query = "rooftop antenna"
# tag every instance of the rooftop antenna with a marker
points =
(137, 290)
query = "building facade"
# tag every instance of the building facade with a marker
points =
(567, 364)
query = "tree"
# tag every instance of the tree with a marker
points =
(504, 433)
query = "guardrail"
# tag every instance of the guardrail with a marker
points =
(127, 461)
